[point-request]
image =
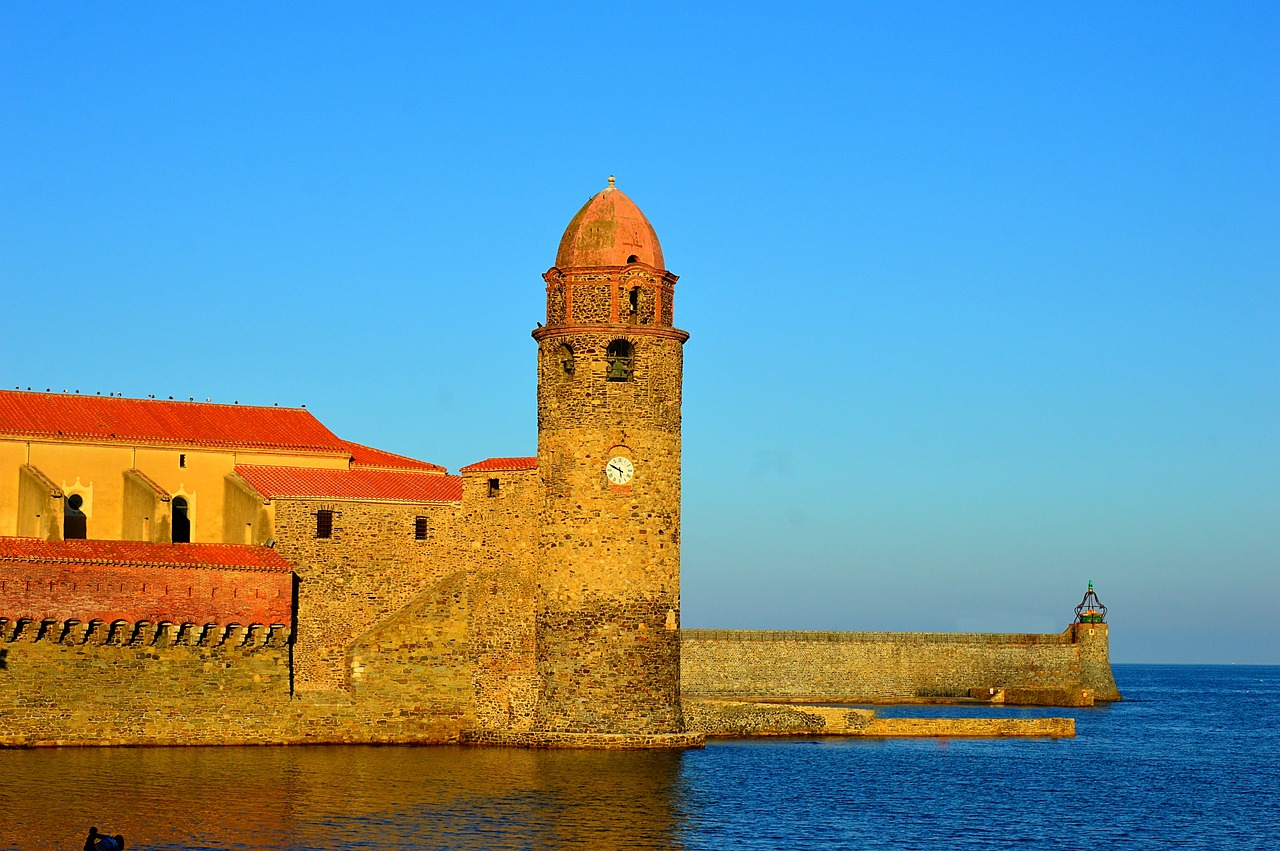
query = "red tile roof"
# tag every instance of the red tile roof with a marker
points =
(367, 456)
(493, 465)
(356, 485)
(115, 419)
(142, 553)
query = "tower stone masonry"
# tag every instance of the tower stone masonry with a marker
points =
(609, 394)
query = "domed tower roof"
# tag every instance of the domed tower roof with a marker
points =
(609, 230)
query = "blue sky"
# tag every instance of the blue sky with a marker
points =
(984, 298)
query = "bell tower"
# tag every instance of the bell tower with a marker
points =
(609, 385)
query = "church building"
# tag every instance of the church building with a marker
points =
(193, 573)
(542, 593)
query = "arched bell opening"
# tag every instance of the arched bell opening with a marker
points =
(564, 355)
(619, 360)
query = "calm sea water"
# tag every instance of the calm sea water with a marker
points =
(1190, 759)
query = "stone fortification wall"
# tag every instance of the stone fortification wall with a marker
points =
(886, 666)
(130, 684)
(117, 684)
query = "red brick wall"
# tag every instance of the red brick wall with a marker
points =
(200, 595)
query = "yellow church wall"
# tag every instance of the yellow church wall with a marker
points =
(199, 482)
(147, 516)
(315, 461)
(13, 454)
(93, 472)
(202, 483)
(246, 519)
(39, 512)
(119, 510)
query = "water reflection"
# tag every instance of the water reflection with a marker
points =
(1191, 758)
(352, 797)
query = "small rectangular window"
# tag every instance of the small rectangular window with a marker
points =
(324, 524)
(182, 460)
(493, 487)
(419, 528)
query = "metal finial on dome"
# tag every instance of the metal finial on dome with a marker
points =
(612, 180)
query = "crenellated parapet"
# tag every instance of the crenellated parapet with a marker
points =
(121, 633)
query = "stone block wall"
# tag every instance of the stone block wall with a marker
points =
(134, 684)
(876, 667)
(609, 553)
(124, 686)
(365, 572)
(499, 548)
(416, 667)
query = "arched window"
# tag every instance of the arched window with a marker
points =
(566, 358)
(633, 299)
(75, 524)
(619, 358)
(181, 521)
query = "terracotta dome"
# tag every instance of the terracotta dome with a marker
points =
(609, 230)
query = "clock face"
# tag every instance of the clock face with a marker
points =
(620, 470)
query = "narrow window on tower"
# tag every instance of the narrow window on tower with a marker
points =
(566, 359)
(618, 360)
(182, 460)
(324, 524)
(493, 487)
(419, 528)
(634, 300)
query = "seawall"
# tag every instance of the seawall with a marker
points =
(890, 667)
(733, 719)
